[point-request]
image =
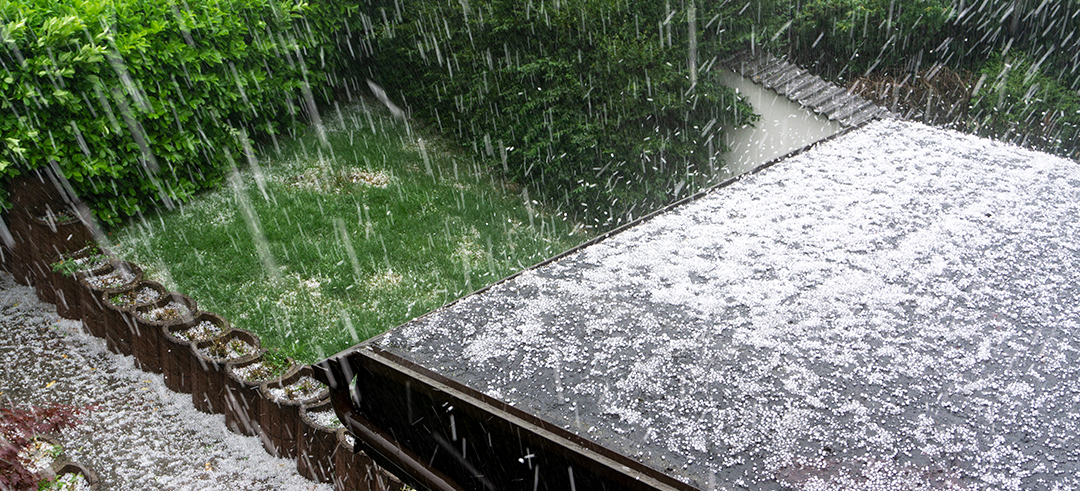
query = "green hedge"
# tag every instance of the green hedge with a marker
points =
(588, 102)
(142, 102)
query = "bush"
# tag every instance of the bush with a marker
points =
(589, 102)
(1045, 30)
(1014, 100)
(138, 102)
(849, 38)
(18, 429)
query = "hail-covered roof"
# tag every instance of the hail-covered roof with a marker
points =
(897, 308)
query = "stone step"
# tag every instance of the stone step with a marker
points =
(767, 63)
(750, 67)
(821, 97)
(831, 105)
(771, 70)
(796, 84)
(782, 78)
(872, 112)
(845, 112)
(815, 87)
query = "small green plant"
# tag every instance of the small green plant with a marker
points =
(202, 331)
(218, 349)
(60, 483)
(223, 348)
(276, 361)
(122, 299)
(169, 314)
(166, 313)
(303, 389)
(238, 346)
(60, 217)
(70, 265)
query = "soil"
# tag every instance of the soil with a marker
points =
(139, 435)
(258, 372)
(228, 349)
(326, 419)
(90, 263)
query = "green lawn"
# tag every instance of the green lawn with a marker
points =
(328, 242)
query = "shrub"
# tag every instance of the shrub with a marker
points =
(589, 102)
(851, 38)
(18, 428)
(1014, 100)
(138, 102)
(843, 38)
(1045, 30)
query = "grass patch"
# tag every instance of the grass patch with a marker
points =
(320, 246)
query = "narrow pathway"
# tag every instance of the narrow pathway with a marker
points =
(140, 435)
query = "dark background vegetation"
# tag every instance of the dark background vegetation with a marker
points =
(590, 104)
(1015, 61)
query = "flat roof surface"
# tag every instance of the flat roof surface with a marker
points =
(894, 309)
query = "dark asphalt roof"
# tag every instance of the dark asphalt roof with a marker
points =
(894, 309)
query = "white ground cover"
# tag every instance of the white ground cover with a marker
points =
(895, 309)
(140, 435)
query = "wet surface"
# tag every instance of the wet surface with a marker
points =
(140, 435)
(783, 128)
(894, 309)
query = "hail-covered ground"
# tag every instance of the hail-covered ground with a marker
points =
(137, 435)
(895, 309)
